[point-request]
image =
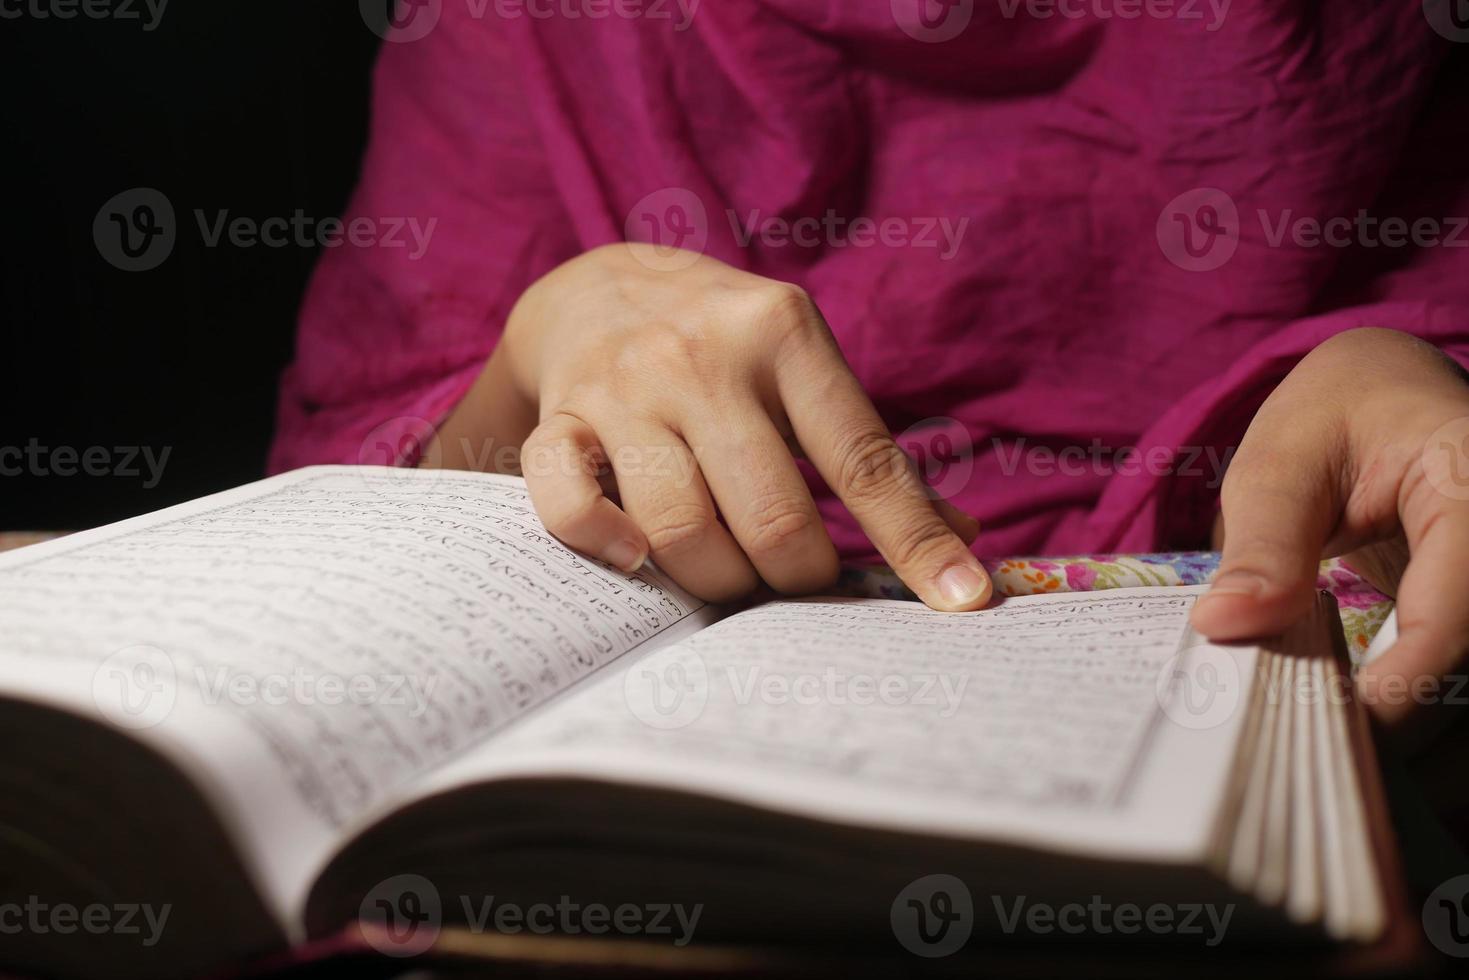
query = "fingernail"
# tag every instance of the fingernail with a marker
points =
(961, 585)
(625, 555)
(1237, 583)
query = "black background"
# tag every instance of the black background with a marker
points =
(260, 109)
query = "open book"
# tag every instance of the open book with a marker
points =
(386, 701)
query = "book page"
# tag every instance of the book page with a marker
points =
(307, 645)
(1050, 718)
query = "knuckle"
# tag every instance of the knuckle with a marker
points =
(679, 528)
(870, 465)
(584, 405)
(551, 430)
(540, 455)
(785, 300)
(925, 542)
(536, 442)
(784, 311)
(660, 355)
(1256, 469)
(671, 345)
(546, 458)
(568, 514)
(769, 313)
(1265, 479)
(776, 523)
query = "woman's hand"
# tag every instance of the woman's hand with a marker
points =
(693, 386)
(1362, 451)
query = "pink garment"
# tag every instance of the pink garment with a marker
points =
(1070, 311)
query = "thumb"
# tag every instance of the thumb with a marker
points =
(1278, 509)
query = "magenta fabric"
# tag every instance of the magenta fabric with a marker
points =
(1071, 312)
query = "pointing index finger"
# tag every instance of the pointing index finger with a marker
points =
(847, 442)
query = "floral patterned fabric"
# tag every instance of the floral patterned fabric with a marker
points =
(1363, 608)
